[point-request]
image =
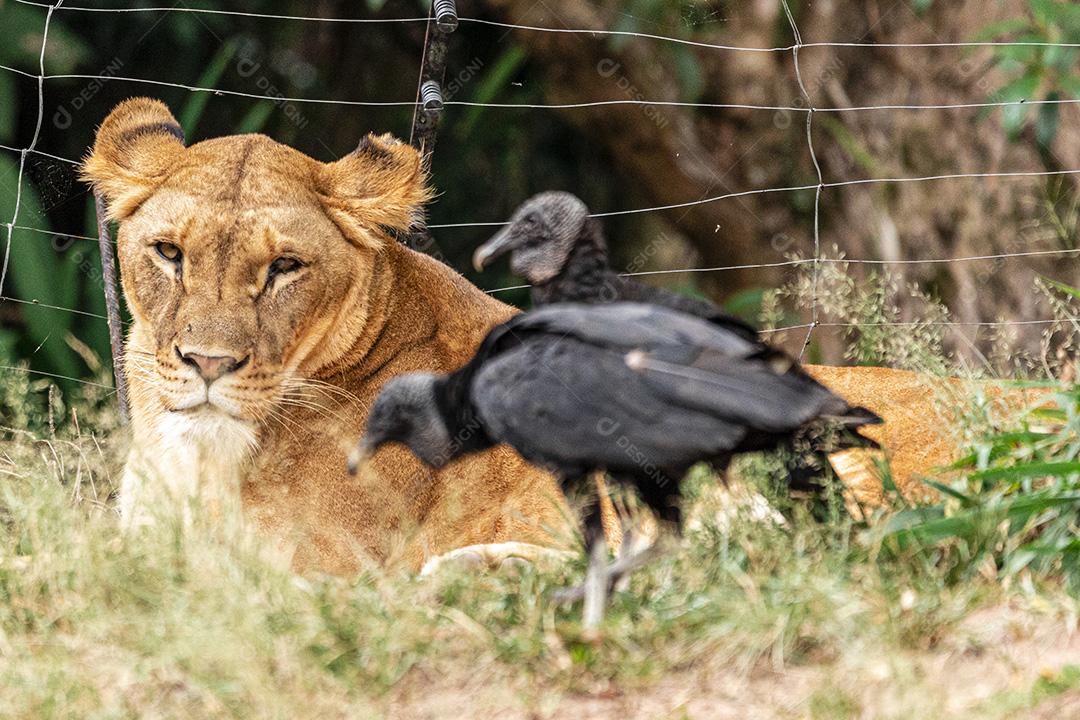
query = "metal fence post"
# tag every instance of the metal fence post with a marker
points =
(112, 305)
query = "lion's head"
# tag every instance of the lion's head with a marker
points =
(271, 303)
(243, 260)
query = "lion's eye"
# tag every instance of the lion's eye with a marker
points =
(169, 251)
(283, 266)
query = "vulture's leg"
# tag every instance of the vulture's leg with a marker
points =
(627, 549)
(670, 515)
(622, 567)
(662, 494)
(665, 502)
(596, 577)
(802, 475)
(595, 588)
(720, 465)
(618, 570)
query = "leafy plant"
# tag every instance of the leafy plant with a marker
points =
(921, 6)
(39, 276)
(1037, 71)
(676, 18)
(1015, 505)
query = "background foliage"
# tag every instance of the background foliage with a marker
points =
(489, 159)
(864, 612)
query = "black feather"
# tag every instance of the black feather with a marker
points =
(638, 390)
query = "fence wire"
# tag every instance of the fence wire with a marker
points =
(816, 269)
(29, 149)
(809, 108)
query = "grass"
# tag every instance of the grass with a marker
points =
(175, 622)
(959, 609)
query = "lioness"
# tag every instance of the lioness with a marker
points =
(270, 303)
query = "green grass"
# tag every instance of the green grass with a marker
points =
(956, 609)
(1050, 685)
(175, 622)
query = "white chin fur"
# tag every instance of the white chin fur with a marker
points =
(198, 455)
(212, 432)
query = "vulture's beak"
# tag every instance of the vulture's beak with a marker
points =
(500, 243)
(360, 454)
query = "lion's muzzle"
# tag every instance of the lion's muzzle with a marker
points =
(211, 367)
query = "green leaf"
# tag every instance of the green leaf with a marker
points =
(1003, 27)
(256, 118)
(8, 340)
(1018, 91)
(1062, 59)
(25, 24)
(92, 298)
(996, 446)
(1021, 383)
(1016, 56)
(1062, 15)
(1029, 470)
(745, 303)
(855, 149)
(934, 531)
(688, 71)
(1044, 10)
(37, 274)
(1021, 507)
(1050, 414)
(1070, 84)
(494, 82)
(1046, 123)
(1019, 559)
(967, 500)
(928, 526)
(1067, 289)
(196, 104)
(912, 517)
(8, 103)
(921, 6)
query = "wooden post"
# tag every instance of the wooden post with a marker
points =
(442, 20)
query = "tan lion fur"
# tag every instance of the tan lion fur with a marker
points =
(362, 309)
(919, 437)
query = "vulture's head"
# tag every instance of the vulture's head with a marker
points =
(406, 412)
(539, 237)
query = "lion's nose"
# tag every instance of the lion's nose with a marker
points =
(211, 367)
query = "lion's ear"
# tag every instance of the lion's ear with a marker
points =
(381, 184)
(135, 147)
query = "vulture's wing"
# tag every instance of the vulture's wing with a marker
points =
(574, 406)
(627, 325)
(767, 395)
(632, 291)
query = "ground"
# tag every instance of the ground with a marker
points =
(1002, 661)
(812, 618)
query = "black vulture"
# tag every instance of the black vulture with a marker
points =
(639, 391)
(560, 250)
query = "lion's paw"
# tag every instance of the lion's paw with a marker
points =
(495, 556)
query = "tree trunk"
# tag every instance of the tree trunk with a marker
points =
(658, 146)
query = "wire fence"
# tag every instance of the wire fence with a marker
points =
(807, 106)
